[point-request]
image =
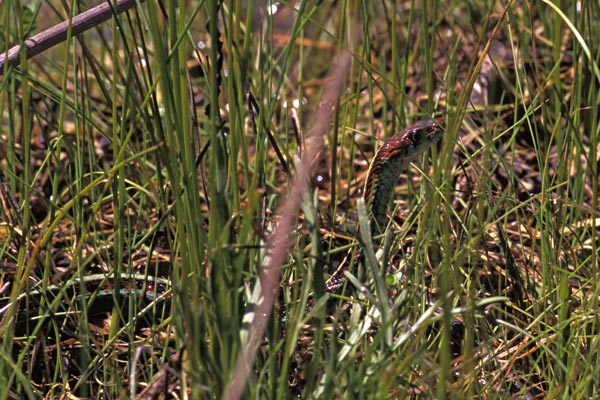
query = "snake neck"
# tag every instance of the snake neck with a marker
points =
(378, 192)
(390, 160)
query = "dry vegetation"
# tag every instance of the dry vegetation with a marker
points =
(155, 170)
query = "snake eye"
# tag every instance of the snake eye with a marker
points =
(418, 135)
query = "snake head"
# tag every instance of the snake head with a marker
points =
(425, 133)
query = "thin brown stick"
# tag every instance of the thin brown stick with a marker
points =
(58, 33)
(281, 240)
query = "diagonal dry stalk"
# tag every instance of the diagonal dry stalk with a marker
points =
(60, 32)
(281, 240)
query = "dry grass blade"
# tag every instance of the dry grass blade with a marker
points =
(280, 241)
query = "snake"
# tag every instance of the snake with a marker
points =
(389, 161)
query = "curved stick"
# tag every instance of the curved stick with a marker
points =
(58, 33)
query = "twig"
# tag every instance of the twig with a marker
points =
(58, 33)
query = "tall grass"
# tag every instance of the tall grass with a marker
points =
(164, 146)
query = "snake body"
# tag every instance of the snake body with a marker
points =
(57, 302)
(391, 159)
